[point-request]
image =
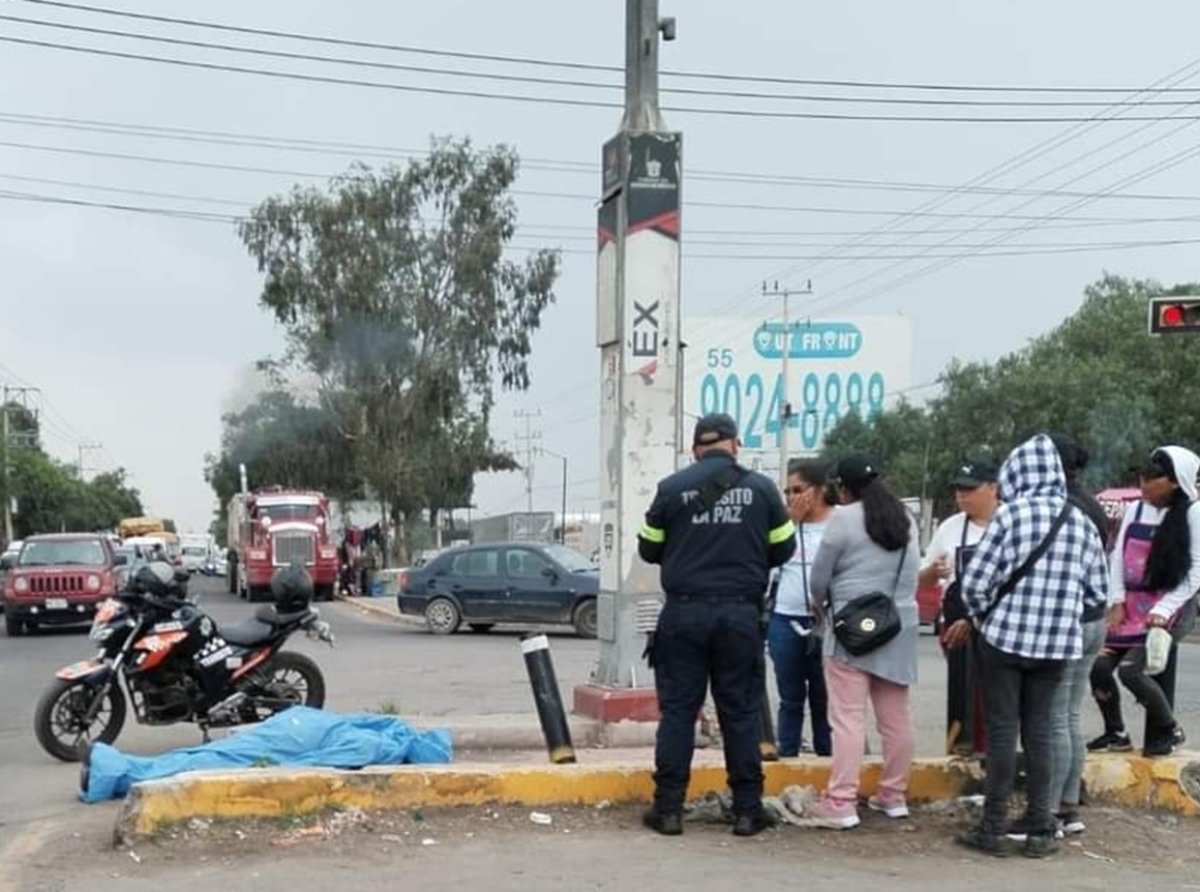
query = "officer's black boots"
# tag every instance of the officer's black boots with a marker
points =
(666, 823)
(751, 824)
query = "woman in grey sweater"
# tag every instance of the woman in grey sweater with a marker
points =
(870, 545)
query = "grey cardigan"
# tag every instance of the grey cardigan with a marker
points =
(849, 564)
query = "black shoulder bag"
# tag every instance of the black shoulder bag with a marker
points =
(870, 621)
(1034, 556)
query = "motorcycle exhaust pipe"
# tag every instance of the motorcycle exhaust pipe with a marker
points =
(547, 699)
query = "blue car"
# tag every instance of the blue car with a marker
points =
(503, 582)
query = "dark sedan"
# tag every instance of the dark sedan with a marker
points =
(503, 582)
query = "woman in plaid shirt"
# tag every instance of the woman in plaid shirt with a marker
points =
(1028, 617)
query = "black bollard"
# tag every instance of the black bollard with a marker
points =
(546, 697)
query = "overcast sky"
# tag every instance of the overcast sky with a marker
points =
(139, 329)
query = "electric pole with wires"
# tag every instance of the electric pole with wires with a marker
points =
(638, 333)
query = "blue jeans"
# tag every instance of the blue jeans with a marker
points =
(800, 677)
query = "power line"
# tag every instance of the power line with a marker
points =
(579, 196)
(557, 166)
(1022, 159)
(576, 66)
(559, 82)
(552, 100)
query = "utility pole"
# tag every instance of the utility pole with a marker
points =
(86, 447)
(638, 333)
(528, 438)
(7, 436)
(785, 404)
(562, 531)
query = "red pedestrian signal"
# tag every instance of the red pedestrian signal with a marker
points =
(1175, 315)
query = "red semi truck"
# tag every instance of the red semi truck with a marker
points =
(272, 528)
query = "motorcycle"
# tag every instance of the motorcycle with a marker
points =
(164, 654)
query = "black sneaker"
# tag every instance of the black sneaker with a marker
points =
(1020, 830)
(988, 843)
(1112, 741)
(752, 824)
(1040, 845)
(666, 823)
(1159, 746)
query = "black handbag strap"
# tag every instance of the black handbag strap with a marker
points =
(716, 487)
(1034, 556)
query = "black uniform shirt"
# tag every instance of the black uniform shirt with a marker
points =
(728, 550)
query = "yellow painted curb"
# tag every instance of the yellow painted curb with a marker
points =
(1171, 784)
(268, 793)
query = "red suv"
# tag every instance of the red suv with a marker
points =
(58, 580)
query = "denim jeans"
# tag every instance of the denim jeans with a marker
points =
(1069, 745)
(696, 643)
(800, 677)
(1018, 694)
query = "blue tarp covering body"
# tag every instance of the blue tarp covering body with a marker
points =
(297, 737)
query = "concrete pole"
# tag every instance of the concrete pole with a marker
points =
(638, 332)
(785, 402)
(8, 527)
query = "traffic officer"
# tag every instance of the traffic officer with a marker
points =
(717, 529)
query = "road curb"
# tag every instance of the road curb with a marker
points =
(1170, 784)
(270, 793)
(364, 605)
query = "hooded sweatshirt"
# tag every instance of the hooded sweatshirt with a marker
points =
(1040, 618)
(1187, 466)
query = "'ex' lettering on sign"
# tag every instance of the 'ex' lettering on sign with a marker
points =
(645, 329)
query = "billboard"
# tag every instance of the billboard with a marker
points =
(734, 364)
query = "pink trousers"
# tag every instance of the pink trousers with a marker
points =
(849, 690)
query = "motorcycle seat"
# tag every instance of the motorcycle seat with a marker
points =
(248, 632)
(270, 614)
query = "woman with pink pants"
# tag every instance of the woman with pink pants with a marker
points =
(870, 545)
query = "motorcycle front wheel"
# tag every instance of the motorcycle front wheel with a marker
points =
(60, 721)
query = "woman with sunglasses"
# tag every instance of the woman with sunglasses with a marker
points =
(1154, 577)
(794, 644)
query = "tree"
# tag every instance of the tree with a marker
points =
(51, 498)
(282, 442)
(394, 289)
(1099, 376)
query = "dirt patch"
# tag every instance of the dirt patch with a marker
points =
(1114, 836)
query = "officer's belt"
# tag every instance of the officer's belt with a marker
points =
(716, 599)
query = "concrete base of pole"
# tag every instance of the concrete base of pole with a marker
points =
(613, 704)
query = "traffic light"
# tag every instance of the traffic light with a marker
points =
(1175, 315)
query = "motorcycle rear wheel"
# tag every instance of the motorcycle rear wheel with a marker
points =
(58, 721)
(293, 677)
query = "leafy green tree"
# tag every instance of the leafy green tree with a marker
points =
(1099, 377)
(282, 442)
(394, 288)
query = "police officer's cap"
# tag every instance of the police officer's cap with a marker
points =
(714, 428)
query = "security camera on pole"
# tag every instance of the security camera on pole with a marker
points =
(638, 332)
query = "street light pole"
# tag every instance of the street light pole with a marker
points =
(562, 530)
(785, 405)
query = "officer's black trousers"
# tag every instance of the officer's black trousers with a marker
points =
(697, 642)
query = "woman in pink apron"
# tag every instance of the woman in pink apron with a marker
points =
(1155, 576)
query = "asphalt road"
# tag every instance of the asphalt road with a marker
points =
(376, 664)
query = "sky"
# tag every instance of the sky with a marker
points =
(141, 329)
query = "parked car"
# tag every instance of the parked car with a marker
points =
(59, 579)
(503, 582)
